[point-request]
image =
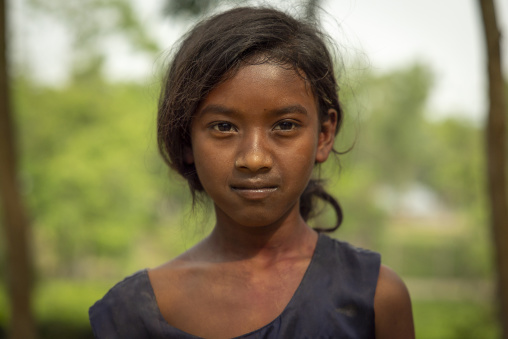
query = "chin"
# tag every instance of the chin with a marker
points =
(262, 214)
(261, 219)
(258, 223)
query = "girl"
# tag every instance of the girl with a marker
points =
(249, 106)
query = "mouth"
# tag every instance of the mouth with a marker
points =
(254, 192)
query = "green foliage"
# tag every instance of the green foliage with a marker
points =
(61, 307)
(392, 129)
(394, 137)
(396, 146)
(67, 301)
(454, 320)
(457, 173)
(92, 175)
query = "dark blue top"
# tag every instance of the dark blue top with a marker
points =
(335, 299)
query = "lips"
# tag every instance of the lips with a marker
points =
(254, 191)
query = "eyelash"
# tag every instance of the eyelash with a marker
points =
(216, 127)
(293, 126)
(230, 128)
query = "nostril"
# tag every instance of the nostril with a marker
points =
(254, 161)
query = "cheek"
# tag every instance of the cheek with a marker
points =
(203, 158)
(301, 159)
(212, 162)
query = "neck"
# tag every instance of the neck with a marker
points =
(289, 236)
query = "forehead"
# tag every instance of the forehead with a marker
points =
(270, 84)
(268, 70)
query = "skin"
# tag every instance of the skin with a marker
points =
(255, 140)
(392, 305)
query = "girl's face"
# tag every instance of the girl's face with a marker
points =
(255, 140)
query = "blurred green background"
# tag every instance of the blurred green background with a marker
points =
(102, 204)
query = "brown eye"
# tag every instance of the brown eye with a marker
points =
(224, 127)
(286, 126)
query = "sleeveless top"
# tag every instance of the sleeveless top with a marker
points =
(335, 299)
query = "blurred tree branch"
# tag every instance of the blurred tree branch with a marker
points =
(311, 10)
(91, 23)
(188, 7)
(195, 8)
(16, 225)
(496, 156)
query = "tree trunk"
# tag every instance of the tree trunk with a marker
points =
(19, 268)
(496, 157)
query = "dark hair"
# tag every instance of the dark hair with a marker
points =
(213, 50)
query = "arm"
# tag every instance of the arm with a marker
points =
(392, 307)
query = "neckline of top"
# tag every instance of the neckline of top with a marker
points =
(298, 291)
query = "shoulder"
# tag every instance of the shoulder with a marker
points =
(355, 261)
(113, 315)
(344, 247)
(124, 291)
(392, 307)
(355, 270)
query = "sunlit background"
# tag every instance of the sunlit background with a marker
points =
(85, 80)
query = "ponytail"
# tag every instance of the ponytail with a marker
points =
(307, 204)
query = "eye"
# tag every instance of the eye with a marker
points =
(224, 127)
(286, 126)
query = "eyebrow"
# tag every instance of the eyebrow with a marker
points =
(296, 108)
(219, 109)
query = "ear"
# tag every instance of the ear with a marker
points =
(326, 136)
(188, 156)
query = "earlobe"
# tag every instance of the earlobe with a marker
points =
(188, 157)
(326, 136)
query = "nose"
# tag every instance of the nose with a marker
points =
(254, 153)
